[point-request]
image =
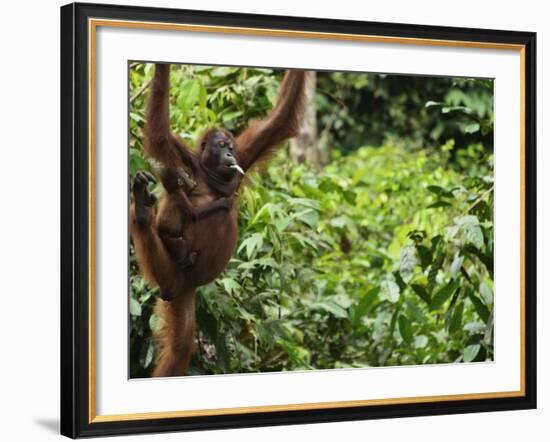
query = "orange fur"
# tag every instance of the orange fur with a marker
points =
(175, 337)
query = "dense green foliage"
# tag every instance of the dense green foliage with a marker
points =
(385, 257)
(409, 111)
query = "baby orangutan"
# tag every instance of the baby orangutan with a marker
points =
(177, 211)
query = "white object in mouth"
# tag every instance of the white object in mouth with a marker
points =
(236, 166)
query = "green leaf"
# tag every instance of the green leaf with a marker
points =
(253, 243)
(480, 308)
(399, 281)
(439, 204)
(223, 71)
(230, 285)
(350, 196)
(393, 320)
(420, 341)
(189, 95)
(415, 312)
(306, 202)
(425, 256)
(389, 291)
(342, 299)
(136, 117)
(267, 262)
(202, 96)
(470, 128)
(456, 266)
(489, 330)
(463, 109)
(155, 323)
(366, 303)
(487, 260)
(243, 314)
(309, 217)
(434, 270)
(470, 352)
(431, 103)
(267, 211)
(149, 355)
(435, 241)
(408, 262)
(230, 116)
(405, 329)
(475, 327)
(341, 221)
(304, 241)
(225, 304)
(456, 319)
(334, 309)
(444, 294)
(421, 292)
(135, 307)
(251, 82)
(440, 191)
(451, 309)
(486, 293)
(222, 352)
(137, 161)
(282, 224)
(469, 225)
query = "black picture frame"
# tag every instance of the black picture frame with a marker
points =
(75, 219)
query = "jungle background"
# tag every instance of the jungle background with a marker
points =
(366, 241)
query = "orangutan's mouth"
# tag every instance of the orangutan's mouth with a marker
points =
(236, 166)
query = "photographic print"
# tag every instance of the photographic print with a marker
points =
(282, 220)
(289, 220)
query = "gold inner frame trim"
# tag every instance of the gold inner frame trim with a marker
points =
(93, 24)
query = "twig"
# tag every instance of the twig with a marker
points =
(273, 358)
(483, 195)
(333, 97)
(140, 91)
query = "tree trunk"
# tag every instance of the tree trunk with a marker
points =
(305, 148)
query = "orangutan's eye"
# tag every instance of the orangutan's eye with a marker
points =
(221, 143)
(180, 182)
